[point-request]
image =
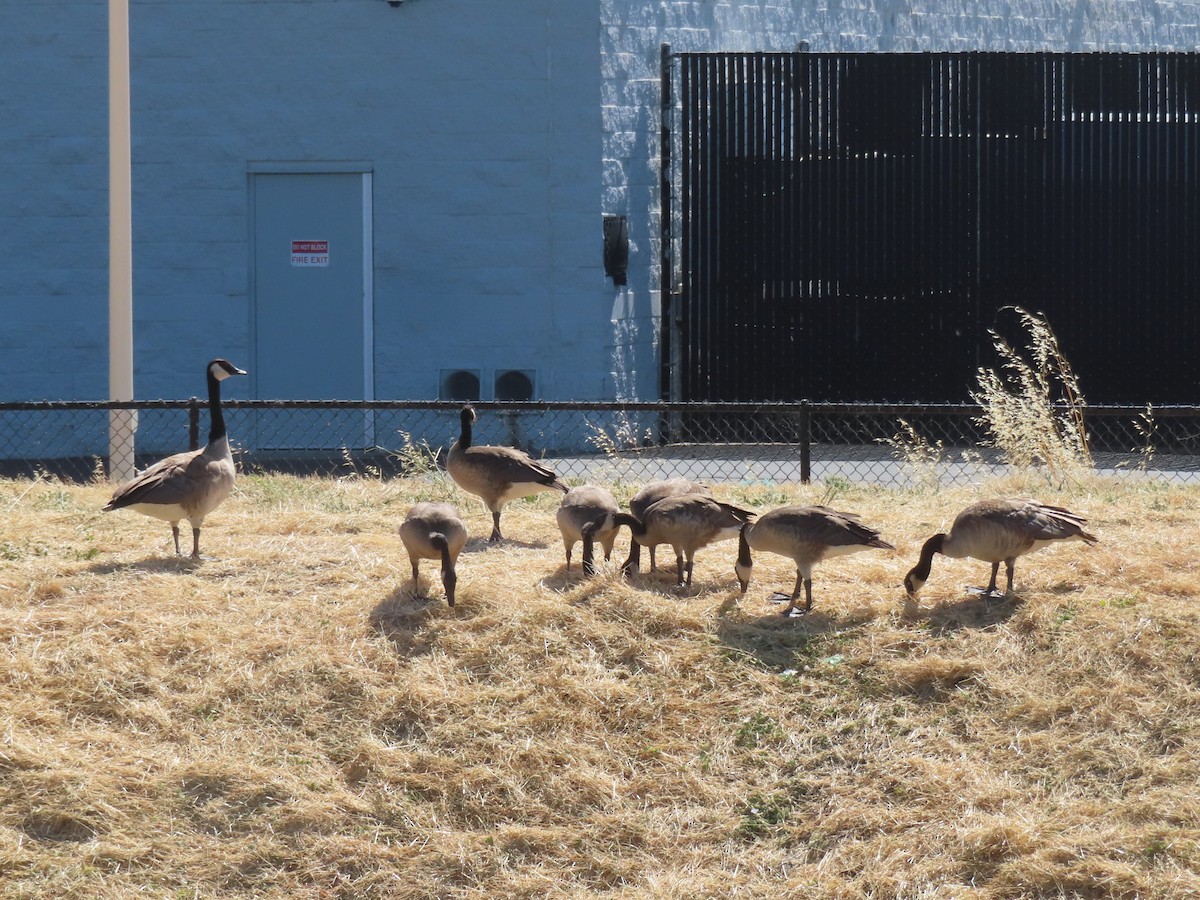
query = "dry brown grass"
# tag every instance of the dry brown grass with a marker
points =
(288, 721)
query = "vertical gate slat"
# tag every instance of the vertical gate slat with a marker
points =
(899, 198)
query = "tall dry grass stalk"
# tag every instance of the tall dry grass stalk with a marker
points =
(290, 720)
(923, 461)
(1033, 405)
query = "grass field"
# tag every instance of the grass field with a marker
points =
(289, 720)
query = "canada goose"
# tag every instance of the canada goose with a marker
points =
(187, 485)
(588, 505)
(434, 531)
(687, 522)
(496, 474)
(998, 531)
(648, 496)
(807, 535)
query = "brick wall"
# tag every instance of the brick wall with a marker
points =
(498, 134)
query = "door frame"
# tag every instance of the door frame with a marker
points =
(367, 171)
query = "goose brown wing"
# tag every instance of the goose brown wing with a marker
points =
(742, 515)
(511, 465)
(1050, 523)
(167, 482)
(833, 528)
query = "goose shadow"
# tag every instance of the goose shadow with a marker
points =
(155, 564)
(561, 581)
(482, 544)
(408, 619)
(978, 610)
(776, 641)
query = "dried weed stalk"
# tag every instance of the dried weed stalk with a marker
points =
(924, 461)
(1033, 405)
(1147, 429)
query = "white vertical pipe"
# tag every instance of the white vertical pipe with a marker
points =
(122, 423)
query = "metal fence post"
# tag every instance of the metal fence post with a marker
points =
(805, 442)
(193, 424)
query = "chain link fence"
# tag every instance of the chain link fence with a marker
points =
(713, 442)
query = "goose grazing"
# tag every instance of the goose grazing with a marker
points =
(806, 535)
(647, 497)
(187, 485)
(998, 531)
(496, 474)
(687, 522)
(434, 531)
(583, 506)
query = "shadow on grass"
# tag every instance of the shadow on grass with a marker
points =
(482, 545)
(561, 581)
(157, 564)
(969, 612)
(776, 641)
(404, 618)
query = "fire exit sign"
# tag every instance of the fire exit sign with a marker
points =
(310, 253)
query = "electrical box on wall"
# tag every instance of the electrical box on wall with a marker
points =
(616, 248)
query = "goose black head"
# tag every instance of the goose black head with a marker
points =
(913, 583)
(221, 369)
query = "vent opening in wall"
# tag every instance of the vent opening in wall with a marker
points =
(514, 384)
(459, 384)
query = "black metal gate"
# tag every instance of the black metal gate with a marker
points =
(850, 224)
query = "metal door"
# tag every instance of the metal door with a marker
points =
(312, 305)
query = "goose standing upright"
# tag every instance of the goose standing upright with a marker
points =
(647, 497)
(496, 474)
(586, 505)
(434, 531)
(806, 535)
(187, 485)
(998, 531)
(687, 522)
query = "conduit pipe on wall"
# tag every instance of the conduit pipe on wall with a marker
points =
(122, 423)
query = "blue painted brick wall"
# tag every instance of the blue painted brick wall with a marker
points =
(498, 133)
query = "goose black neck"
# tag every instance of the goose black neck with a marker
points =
(743, 557)
(216, 417)
(442, 546)
(635, 525)
(930, 547)
(464, 439)
(587, 533)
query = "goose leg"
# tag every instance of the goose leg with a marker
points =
(991, 588)
(1010, 564)
(175, 534)
(679, 581)
(690, 560)
(653, 565)
(633, 563)
(806, 584)
(496, 536)
(195, 543)
(416, 584)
